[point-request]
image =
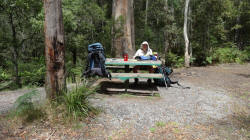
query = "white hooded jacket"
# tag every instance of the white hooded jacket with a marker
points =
(140, 52)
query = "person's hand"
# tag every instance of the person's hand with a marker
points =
(138, 58)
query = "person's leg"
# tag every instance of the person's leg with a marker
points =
(151, 70)
(135, 70)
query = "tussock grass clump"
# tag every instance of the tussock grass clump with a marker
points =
(76, 102)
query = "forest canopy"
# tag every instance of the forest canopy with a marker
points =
(218, 30)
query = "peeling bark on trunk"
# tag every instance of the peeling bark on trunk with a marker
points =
(187, 55)
(55, 82)
(123, 43)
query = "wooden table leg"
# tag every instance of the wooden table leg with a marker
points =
(127, 81)
(126, 85)
(126, 68)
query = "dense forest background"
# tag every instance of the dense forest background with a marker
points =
(218, 30)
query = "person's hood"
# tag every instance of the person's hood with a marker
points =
(145, 42)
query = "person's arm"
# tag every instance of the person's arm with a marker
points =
(149, 52)
(136, 54)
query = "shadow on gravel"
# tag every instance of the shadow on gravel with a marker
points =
(244, 75)
(140, 89)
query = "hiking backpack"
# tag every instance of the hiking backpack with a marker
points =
(166, 81)
(95, 64)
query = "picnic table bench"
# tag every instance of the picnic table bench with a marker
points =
(126, 66)
(126, 76)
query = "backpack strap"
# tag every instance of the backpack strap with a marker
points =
(89, 65)
(176, 82)
(102, 63)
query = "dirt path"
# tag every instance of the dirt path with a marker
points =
(216, 107)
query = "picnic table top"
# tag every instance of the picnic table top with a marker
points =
(120, 61)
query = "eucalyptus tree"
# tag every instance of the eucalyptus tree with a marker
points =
(123, 28)
(185, 33)
(55, 81)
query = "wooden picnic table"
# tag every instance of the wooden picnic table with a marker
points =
(133, 62)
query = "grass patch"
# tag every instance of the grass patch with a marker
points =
(152, 130)
(174, 124)
(160, 124)
(26, 109)
(156, 95)
(241, 115)
(245, 96)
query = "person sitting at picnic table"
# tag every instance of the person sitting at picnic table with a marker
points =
(143, 51)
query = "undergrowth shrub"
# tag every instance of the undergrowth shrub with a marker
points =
(25, 108)
(229, 55)
(174, 60)
(4, 76)
(73, 73)
(247, 53)
(33, 73)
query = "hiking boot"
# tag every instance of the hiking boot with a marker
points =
(136, 81)
(149, 81)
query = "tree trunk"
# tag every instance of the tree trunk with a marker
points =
(166, 40)
(236, 36)
(166, 45)
(146, 13)
(132, 28)
(190, 30)
(55, 82)
(123, 43)
(187, 55)
(15, 52)
(74, 53)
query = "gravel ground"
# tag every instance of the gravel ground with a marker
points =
(195, 106)
(205, 111)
